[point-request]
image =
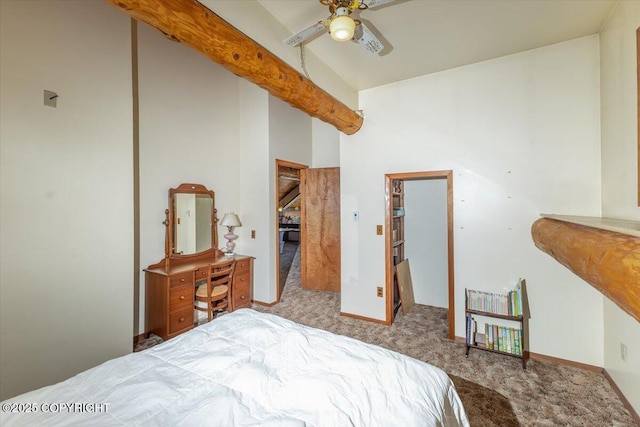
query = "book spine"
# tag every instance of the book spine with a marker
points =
(512, 341)
(512, 303)
(487, 340)
(521, 342)
(474, 331)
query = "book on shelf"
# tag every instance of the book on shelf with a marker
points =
(509, 304)
(487, 335)
(479, 339)
(495, 337)
(512, 340)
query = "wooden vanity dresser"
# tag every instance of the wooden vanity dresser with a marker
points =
(170, 292)
(191, 241)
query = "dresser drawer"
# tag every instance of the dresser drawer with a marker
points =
(201, 274)
(182, 279)
(181, 296)
(242, 291)
(242, 266)
(181, 320)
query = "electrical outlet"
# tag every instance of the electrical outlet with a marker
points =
(379, 293)
(253, 234)
(356, 216)
(379, 230)
(623, 352)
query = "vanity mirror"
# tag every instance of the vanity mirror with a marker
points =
(191, 221)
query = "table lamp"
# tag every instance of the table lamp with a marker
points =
(230, 220)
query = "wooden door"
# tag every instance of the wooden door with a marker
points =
(320, 243)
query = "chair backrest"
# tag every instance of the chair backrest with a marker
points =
(222, 273)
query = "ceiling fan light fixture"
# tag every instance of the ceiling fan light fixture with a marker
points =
(342, 28)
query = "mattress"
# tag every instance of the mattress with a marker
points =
(248, 368)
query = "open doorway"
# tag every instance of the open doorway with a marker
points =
(289, 217)
(437, 231)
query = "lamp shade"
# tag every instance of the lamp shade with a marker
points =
(230, 220)
(342, 28)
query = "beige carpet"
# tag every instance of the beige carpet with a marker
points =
(494, 389)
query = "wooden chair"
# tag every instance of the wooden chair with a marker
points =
(215, 293)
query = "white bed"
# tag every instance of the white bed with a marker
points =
(249, 369)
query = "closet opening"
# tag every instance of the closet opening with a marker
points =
(419, 228)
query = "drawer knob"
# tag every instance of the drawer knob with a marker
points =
(242, 280)
(242, 297)
(182, 279)
(182, 297)
(181, 319)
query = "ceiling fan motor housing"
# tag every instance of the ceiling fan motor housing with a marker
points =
(343, 11)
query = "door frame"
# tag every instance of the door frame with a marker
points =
(288, 164)
(418, 176)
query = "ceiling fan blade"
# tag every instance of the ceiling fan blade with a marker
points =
(376, 3)
(365, 37)
(305, 34)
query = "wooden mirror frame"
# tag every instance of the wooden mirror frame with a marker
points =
(169, 243)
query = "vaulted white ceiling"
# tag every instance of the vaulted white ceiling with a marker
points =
(427, 36)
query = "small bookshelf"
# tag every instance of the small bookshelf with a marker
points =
(398, 236)
(498, 322)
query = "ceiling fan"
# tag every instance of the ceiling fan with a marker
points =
(342, 26)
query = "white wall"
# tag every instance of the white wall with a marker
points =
(325, 145)
(619, 112)
(522, 135)
(66, 210)
(255, 198)
(426, 244)
(189, 127)
(619, 178)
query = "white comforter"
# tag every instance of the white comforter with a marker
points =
(250, 369)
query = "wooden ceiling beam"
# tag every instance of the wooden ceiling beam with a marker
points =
(192, 24)
(608, 261)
